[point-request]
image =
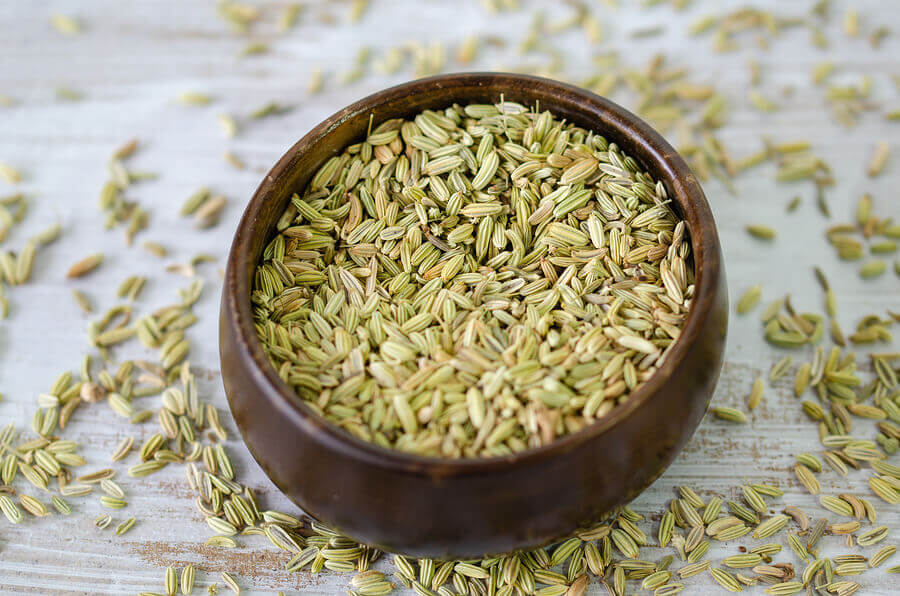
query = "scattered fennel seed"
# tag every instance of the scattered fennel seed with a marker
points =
(289, 16)
(761, 232)
(254, 48)
(749, 300)
(228, 124)
(729, 414)
(85, 265)
(65, 24)
(10, 174)
(269, 109)
(756, 394)
(194, 98)
(879, 159)
(234, 161)
(872, 269)
(68, 94)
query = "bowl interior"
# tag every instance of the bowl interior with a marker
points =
(293, 172)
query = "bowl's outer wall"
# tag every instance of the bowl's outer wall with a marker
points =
(452, 508)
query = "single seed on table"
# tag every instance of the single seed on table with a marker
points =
(883, 554)
(712, 510)
(756, 393)
(316, 80)
(270, 109)
(691, 496)
(60, 505)
(85, 265)
(32, 505)
(289, 15)
(725, 579)
(654, 580)
(743, 561)
(766, 549)
(836, 462)
(155, 248)
(767, 489)
(769, 570)
(863, 210)
(845, 569)
(784, 588)
(872, 269)
(879, 159)
(170, 581)
(693, 569)
(797, 546)
(749, 300)
(836, 505)
(234, 161)
(698, 552)
(112, 502)
(772, 310)
(770, 527)
(83, 301)
(231, 582)
(730, 414)
(872, 536)
(126, 525)
(65, 24)
(754, 499)
(780, 368)
(9, 173)
(810, 461)
(208, 213)
(193, 98)
(761, 232)
(126, 150)
(254, 48)
(194, 201)
(807, 479)
(221, 541)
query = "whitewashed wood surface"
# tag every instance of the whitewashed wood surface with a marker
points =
(134, 58)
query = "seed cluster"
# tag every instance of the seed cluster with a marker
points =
(473, 282)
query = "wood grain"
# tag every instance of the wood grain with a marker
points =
(133, 59)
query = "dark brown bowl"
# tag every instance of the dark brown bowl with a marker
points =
(445, 508)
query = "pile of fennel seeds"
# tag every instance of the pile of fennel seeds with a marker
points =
(473, 282)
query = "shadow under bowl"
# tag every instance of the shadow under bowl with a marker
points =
(465, 508)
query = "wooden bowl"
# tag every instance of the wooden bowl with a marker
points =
(442, 508)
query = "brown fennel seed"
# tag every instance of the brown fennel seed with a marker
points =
(382, 262)
(85, 265)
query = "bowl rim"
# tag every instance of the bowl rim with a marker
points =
(669, 167)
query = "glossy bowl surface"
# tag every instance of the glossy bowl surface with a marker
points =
(445, 508)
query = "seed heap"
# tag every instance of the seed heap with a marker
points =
(473, 282)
